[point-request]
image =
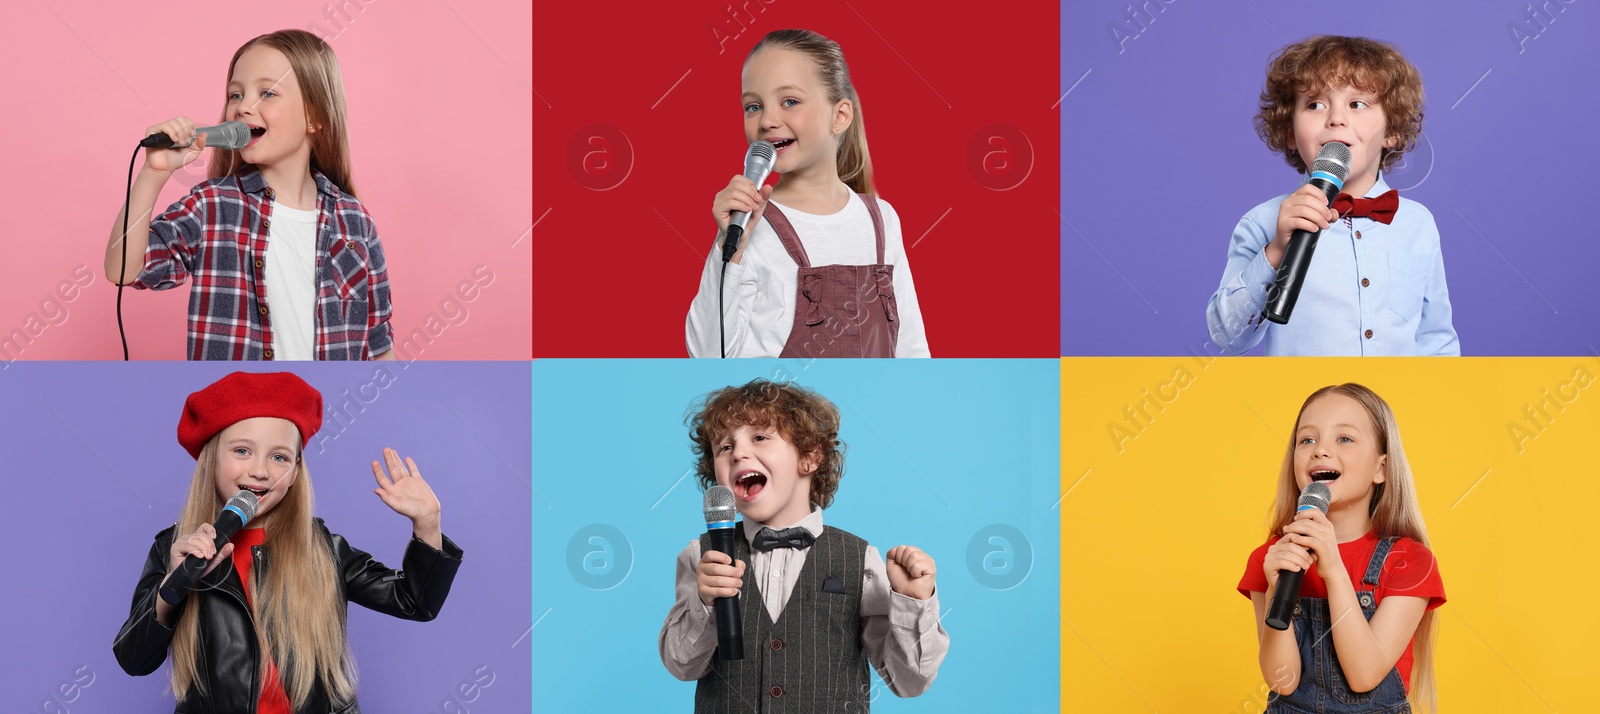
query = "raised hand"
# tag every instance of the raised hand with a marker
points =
(911, 571)
(405, 491)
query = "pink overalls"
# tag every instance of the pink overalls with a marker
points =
(840, 310)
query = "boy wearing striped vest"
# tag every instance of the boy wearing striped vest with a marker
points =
(817, 604)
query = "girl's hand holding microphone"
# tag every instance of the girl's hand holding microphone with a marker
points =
(1307, 541)
(202, 544)
(180, 130)
(123, 262)
(740, 195)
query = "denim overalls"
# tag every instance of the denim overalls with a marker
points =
(1323, 689)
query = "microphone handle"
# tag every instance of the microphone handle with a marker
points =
(183, 578)
(730, 245)
(1280, 612)
(158, 140)
(730, 628)
(1291, 276)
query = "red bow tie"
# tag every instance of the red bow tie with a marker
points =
(1380, 209)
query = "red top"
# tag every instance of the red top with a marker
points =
(273, 700)
(1410, 571)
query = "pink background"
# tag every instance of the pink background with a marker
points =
(83, 79)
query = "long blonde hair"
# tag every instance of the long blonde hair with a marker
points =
(1394, 512)
(854, 163)
(298, 612)
(316, 69)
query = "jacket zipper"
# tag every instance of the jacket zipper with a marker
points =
(255, 558)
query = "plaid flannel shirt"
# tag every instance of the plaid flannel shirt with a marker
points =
(218, 236)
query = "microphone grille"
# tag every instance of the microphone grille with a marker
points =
(1316, 495)
(1334, 159)
(246, 502)
(719, 503)
(763, 150)
(228, 135)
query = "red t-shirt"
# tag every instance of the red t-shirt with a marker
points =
(273, 700)
(1409, 570)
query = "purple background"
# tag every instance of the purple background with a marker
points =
(1159, 161)
(93, 470)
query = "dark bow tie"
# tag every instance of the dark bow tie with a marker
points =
(1380, 209)
(796, 537)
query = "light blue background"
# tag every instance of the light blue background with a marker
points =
(937, 450)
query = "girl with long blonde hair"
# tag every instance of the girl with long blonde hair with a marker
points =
(1368, 556)
(274, 595)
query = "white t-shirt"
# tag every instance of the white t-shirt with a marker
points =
(760, 292)
(291, 267)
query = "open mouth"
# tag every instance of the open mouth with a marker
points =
(259, 492)
(782, 145)
(749, 485)
(1324, 474)
(255, 133)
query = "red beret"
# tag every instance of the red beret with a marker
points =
(246, 395)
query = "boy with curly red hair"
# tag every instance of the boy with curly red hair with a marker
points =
(1376, 285)
(820, 602)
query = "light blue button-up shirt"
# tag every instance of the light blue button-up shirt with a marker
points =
(1372, 289)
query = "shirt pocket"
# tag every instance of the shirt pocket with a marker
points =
(1408, 281)
(349, 261)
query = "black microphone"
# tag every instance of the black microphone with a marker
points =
(1281, 611)
(1328, 173)
(240, 509)
(722, 529)
(227, 135)
(758, 160)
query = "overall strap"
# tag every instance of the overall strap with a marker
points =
(1375, 566)
(877, 220)
(791, 240)
(785, 230)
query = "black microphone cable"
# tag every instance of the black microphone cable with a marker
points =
(121, 271)
(730, 239)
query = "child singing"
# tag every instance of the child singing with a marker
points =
(819, 602)
(1376, 283)
(1362, 635)
(264, 628)
(822, 270)
(285, 262)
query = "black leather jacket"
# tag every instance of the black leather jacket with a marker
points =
(228, 662)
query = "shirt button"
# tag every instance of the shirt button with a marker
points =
(777, 691)
(263, 310)
(1358, 234)
(258, 265)
(266, 223)
(777, 645)
(270, 193)
(1369, 334)
(1364, 282)
(268, 354)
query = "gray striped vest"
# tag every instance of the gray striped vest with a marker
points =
(811, 659)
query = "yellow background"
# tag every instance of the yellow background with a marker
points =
(1155, 537)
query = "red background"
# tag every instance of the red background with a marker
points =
(615, 269)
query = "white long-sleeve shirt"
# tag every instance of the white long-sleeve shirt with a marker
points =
(759, 295)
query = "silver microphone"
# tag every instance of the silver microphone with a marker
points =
(227, 135)
(758, 162)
